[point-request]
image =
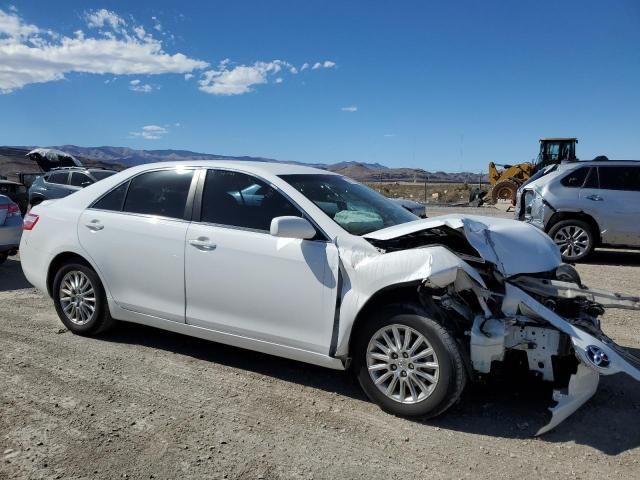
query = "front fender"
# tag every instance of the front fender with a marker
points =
(362, 280)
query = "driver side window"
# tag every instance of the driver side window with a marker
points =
(239, 200)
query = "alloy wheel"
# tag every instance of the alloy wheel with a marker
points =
(572, 240)
(402, 364)
(77, 297)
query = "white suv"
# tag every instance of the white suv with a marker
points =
(583, 205)
(310, 265)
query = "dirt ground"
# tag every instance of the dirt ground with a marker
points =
(143, 403)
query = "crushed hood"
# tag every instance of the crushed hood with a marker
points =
(513, 247)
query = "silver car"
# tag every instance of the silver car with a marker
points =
(10, 227)
(584, 205)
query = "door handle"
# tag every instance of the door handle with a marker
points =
(595, 198)
(94, 225)
(202, 243)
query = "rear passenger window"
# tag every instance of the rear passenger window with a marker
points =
(620, 178)
(60, 178)
(113, 200)
(162, 193)
(240, 200)
(575, 178)
(80, 180)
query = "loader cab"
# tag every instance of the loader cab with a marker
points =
(554, 151)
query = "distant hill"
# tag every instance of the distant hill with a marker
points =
(12, 160)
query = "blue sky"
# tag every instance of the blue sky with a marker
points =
(435, 85)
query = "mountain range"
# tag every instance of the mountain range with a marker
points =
(12, 160)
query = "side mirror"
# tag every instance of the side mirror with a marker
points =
(292, 227)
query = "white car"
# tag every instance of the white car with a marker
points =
(321, 269)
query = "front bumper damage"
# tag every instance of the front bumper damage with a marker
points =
(597, 353)
(512, 297)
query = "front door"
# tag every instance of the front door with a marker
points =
(241, 280)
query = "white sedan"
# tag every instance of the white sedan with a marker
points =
(321, 269)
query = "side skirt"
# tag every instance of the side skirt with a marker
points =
(237, 341)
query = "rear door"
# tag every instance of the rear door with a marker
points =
(619, 197)
(55, 185)
(135, 234)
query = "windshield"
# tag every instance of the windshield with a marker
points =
(356, 208)
(101, 174)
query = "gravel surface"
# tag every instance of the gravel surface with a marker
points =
(143, 403)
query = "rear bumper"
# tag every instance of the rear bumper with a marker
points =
(10, 235)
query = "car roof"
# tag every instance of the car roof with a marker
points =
(597, 163)
(255, 167)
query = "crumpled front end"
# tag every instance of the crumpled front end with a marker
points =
(503, 290)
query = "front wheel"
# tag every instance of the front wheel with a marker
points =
(409, 364)
(80, 301)
(574, 238)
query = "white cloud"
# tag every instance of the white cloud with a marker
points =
(236, 80)
(105, 18)
(137, 86)
(156, 24)
(325, 64)
(239, 79)
(30, 55)
(188, 76)
(150, 132)
(351, 109)
(12, 26)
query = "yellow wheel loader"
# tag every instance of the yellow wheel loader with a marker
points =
(504, 183)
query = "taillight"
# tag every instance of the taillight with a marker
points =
(30, 221)
(13, 210)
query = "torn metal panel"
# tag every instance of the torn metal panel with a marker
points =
(557, 288)
(371, 273)
(582, 385)
(497, 240)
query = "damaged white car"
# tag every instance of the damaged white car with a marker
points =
(312, 266)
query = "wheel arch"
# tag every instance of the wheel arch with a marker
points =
(63, 258)
(560, 216)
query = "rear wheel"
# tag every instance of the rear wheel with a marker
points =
(574, 238)
(80, 301)
(408, 364)
(3, 257)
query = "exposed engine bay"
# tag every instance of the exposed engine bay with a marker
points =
(501, 297)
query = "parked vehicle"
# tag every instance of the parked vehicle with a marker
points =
(324, 270)
(10, 227)
(16, 192)
(63, 181)
(585, 205)
(417, 208)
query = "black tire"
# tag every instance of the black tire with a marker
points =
(505, 190)
(3, 257)
(452, 374)
(100, 319)
(583, 244)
